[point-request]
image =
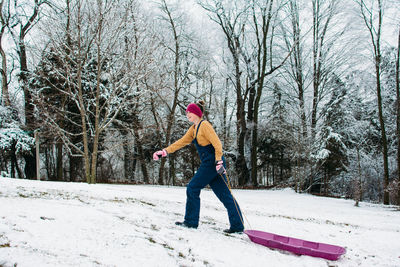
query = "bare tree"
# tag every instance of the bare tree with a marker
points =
(140, 38)
(232, 21)
(294, 37)
(265, 19)
(99, 82)
(249, 29)
(297, 61)
(176, 86)
(4, 20)
(179, 54)
(323, 13)
(374, 26)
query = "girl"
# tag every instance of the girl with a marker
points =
(211, 171)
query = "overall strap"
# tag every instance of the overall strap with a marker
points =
(198, 126)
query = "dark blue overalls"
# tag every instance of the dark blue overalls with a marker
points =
(207, 174)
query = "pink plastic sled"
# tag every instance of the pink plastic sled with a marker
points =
(297, 246)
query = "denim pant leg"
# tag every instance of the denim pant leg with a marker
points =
(221, 190)
(198, 182)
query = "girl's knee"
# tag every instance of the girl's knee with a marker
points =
(192, 191)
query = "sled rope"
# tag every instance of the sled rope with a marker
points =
(228, 184)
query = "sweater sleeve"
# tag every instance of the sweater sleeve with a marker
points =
(184, 141)
(212, 137)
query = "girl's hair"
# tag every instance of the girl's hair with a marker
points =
(201, 105)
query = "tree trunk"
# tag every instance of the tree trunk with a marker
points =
(59, 162)
(383, 134)
(82, 108)
(75, 164)
(14, 162)
(241, 166)
(129, 174)
(398, 116)
(172, 171)
(30, 159)
(225, 115)
(177, 72)
(252, 115)
(358, 181)
(139, 147)
(5, 98)
(298, 65)
(158, 127)
(97, 127)
(375, 40)
(316, 67)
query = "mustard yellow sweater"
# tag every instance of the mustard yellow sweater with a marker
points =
(205, 136)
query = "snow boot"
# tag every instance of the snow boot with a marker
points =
(232, 231)
(184, 224)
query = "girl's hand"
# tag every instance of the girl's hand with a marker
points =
(219, 166)
(160, 153)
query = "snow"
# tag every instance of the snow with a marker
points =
(76, 224)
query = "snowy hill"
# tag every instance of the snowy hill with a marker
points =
(76, 224)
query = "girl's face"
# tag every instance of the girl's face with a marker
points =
(192, 117)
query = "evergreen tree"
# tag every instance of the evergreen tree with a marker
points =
(362, 135)
(14, 142)
(331, 152)
(275, 146)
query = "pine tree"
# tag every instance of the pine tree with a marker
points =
(275, 146)
(331, 153)
(14, 142)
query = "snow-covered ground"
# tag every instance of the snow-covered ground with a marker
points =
(76, 224)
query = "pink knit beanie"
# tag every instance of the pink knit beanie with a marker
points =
(195, 109)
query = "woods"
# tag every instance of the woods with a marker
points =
(303, 94)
